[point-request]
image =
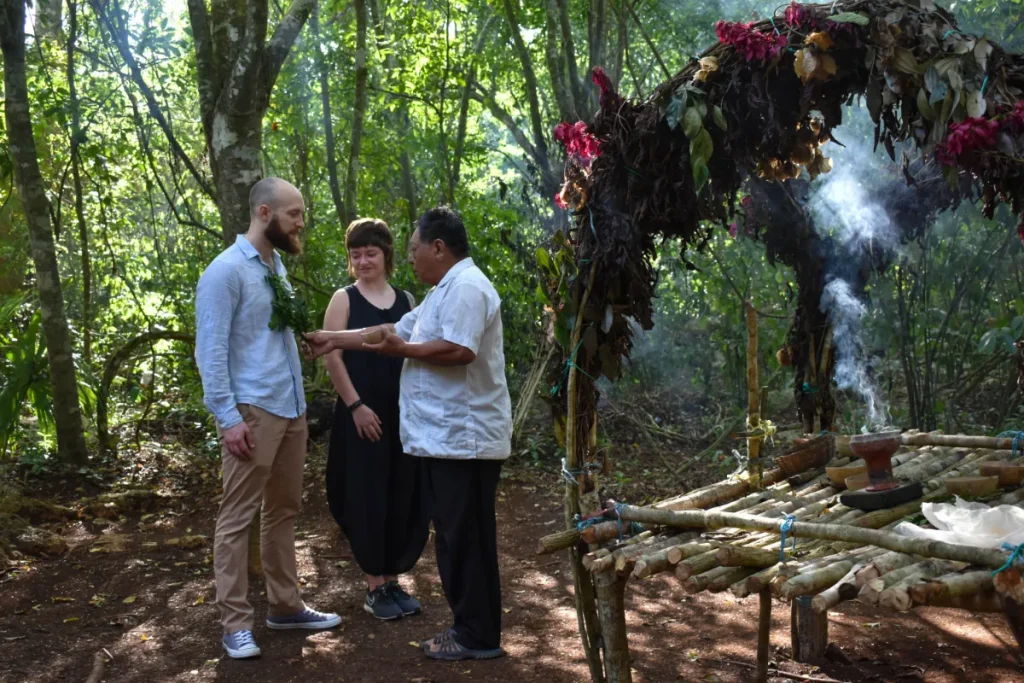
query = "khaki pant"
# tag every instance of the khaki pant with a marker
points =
(273, 478)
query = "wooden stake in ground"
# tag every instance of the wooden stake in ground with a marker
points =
(809, 631)
(764, 632)
(611, 611)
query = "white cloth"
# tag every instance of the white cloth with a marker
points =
(459, 412)
(966, 523)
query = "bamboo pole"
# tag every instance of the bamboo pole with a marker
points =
(754, 466)
(833, 532)
(587, 612)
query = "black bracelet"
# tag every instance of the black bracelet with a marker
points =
(355, 405)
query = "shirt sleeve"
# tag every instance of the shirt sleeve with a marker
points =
(405, 325)
(217, 298)
(464, 315)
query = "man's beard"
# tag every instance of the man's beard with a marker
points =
(289, 244)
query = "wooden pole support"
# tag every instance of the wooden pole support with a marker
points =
(808, 630)
(611, 610)
(764, 632)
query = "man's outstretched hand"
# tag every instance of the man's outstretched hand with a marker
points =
(316, 344)
(391, 345)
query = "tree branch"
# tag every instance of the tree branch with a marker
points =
(243, 87)
(284, 36)
(203, 41)
(539, 142)
(124, 50)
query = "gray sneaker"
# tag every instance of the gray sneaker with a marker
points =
(408, 604)
(240, 645)
(381, 604)
(308, 619)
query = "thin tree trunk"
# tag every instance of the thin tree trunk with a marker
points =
(63, 380)
(579, 94)
(76, 177)
(460, 135)
(556, 64)
(530, 77)
(401, 117)
(325, 100)
(358, 113)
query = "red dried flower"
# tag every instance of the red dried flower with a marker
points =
(1017, 117)
(751, 43)
(559, 202)
(972, 134)
(609, 98)
(581, 146)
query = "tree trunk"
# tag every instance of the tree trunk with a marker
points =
(399, 118)
(325, 100)
(467, 91)
(63, 380)
(77, 138)
(236, 67)
(557, 69)
(358, 113)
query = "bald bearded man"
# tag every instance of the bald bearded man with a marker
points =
(252, 383)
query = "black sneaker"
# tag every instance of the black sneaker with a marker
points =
(380, 604)
(407, 603)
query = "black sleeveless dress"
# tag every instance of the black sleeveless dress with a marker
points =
(373, 489)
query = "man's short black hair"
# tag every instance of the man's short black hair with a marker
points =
(444, 223)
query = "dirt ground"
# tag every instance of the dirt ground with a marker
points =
(147, 605)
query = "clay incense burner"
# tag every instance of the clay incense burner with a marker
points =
(877, 451)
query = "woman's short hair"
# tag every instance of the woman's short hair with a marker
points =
(371, 232)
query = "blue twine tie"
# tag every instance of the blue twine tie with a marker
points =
(1014, 556)
(786, 527)
(1018, 441)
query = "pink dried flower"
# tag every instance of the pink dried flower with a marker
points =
(582, 146)
(559, 202)
(1017, 117)
(970, 135)
(751, 43)
(609, 98)
(732, 230)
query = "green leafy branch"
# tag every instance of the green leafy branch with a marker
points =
(288, 310)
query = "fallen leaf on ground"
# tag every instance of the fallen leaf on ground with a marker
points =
(58, 598)
(71, 620)
(129, 600)
(201, 600)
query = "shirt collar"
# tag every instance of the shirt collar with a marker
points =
(455, 270)
(249, 251)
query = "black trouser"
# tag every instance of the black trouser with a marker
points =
(461, 494)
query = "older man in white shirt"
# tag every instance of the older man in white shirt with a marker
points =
(457, 416)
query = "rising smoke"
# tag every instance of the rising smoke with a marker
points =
(850, 212)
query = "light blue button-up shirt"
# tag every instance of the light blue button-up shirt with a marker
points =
(241, 360)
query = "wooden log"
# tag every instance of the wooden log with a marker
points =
(944, 588)
(611, 611)
(842, 590)
(560, 540)
(764, 632)
(882, 564)
(871, 590)
(897, 596)
(730, 575)
(701, 582)
(698, 564)
(605, 531)
(745, 556)
(603, 561)
(706, 497)
(814, 581)
(656, 561)
(683, 552)
(626, 558)
(808, 631)
(957, 440)
(684, 519)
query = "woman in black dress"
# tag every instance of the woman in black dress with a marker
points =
(372, 485)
